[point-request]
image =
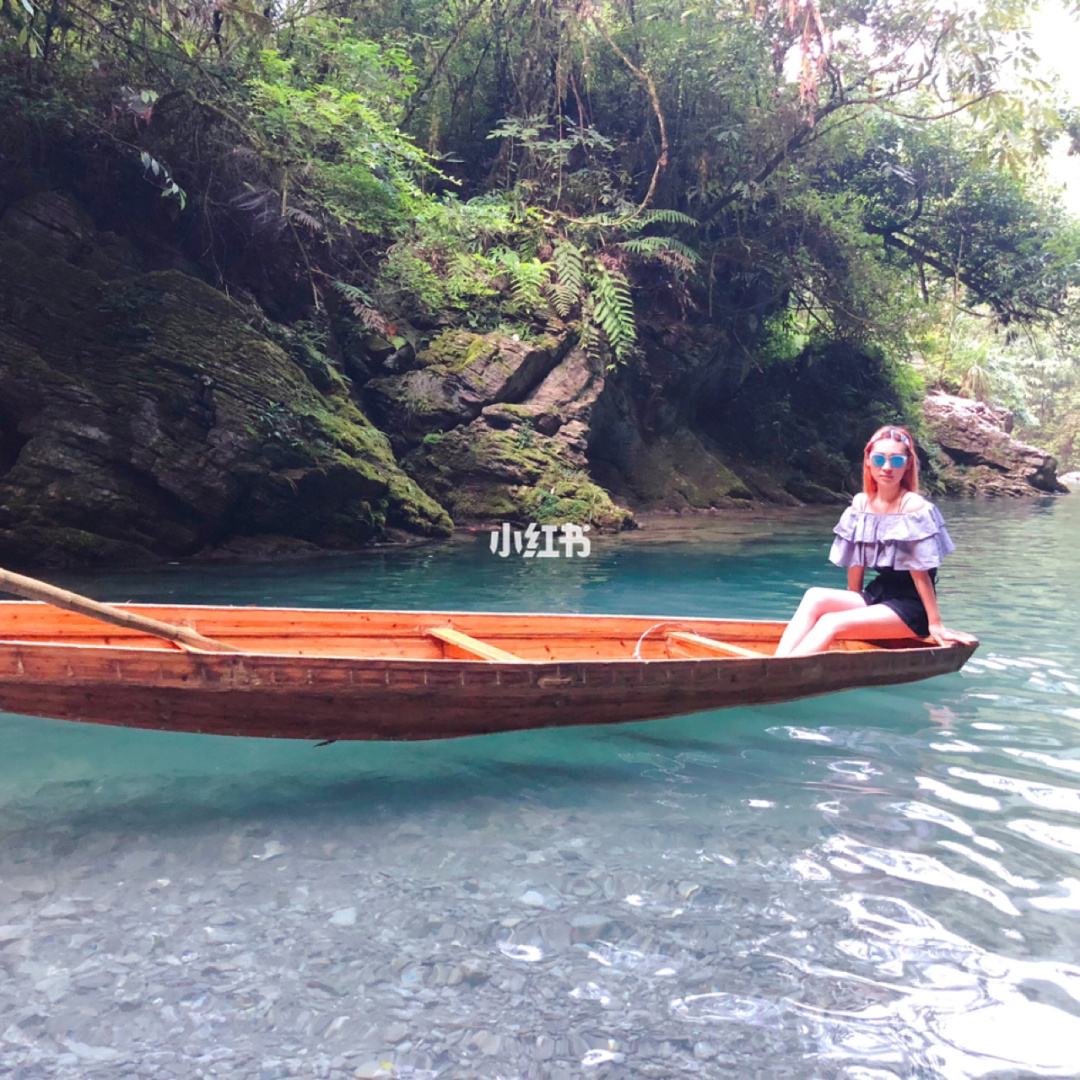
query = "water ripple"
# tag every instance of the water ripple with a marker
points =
(1057, 837)
(877, 884)
(919, 867)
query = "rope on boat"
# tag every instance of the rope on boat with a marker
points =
(655, 626)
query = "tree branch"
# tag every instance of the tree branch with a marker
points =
(971, 281)
(418, 96)
(654, 98)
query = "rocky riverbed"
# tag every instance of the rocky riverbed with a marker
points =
(876, 883)
(431, 933)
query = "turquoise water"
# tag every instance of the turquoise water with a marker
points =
(873, 884)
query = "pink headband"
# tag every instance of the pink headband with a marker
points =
(890, 433)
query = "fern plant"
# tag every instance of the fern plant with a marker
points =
(528, 278)
(363, 307)
(593, 273)
(640, 219)
(613, 308)
(569, 277)
(665, 249)
(575, 270)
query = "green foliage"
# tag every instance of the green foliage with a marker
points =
(932, 196)
(526, 433)
(569, 276)
(645, 217)
(784, 338)
(976, 383)
(452, 258)
(426, 274)
(1033, 371)
(528, 278)
(363, 307)
(908, 388)
(455, 258)
(23, 17)
(538, 154)
(666, 249)
(613, 309)
(170, 188)
(325, 124)
(868, 201)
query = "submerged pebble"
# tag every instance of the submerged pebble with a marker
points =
(343, 917)
(710, 896)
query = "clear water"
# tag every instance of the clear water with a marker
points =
(873, 884)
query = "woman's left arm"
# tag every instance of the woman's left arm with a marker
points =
(941, 634)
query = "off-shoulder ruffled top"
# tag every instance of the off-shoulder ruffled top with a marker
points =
(914, 541)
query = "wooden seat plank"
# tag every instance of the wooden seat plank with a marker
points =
(481, 649)
(711, 645)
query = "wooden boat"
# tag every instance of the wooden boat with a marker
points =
(326, 675)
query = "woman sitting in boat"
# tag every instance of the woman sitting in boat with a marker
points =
(892, 529)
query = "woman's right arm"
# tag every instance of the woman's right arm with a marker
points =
(856, 574)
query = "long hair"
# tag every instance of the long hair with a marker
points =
(910, 480)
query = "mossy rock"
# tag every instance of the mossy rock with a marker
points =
(808, 492)
(563, 496)
(148, 414)
(510, 456)
(483, 474)
(679, 471)
(455, 350)
(458, 376)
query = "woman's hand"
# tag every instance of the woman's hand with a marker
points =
(944, 636)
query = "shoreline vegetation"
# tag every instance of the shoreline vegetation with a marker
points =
(280, 277)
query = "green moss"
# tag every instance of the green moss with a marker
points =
(449, 349)
(525, 412)
(455, 350)
(306, 344)
(178, 394)
(412, 508)
(485, 474)
(481, 348)
(508, 447)
(680, 469)
(486, 503)
(65, 546)
(564, 495)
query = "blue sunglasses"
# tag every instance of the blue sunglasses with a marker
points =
(896, 461)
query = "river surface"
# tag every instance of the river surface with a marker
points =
(879, 883)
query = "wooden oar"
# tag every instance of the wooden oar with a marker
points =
(33, 589)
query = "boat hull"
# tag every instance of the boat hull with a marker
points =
(354, 697)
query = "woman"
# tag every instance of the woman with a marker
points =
(893, 529)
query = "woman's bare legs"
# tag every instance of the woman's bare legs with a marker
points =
(814, 604)
(873, 621)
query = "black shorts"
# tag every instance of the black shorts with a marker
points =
(896, 590)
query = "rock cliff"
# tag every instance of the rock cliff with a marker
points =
(144, 414)
(979, 456)
(141, 416)
(497, 429)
